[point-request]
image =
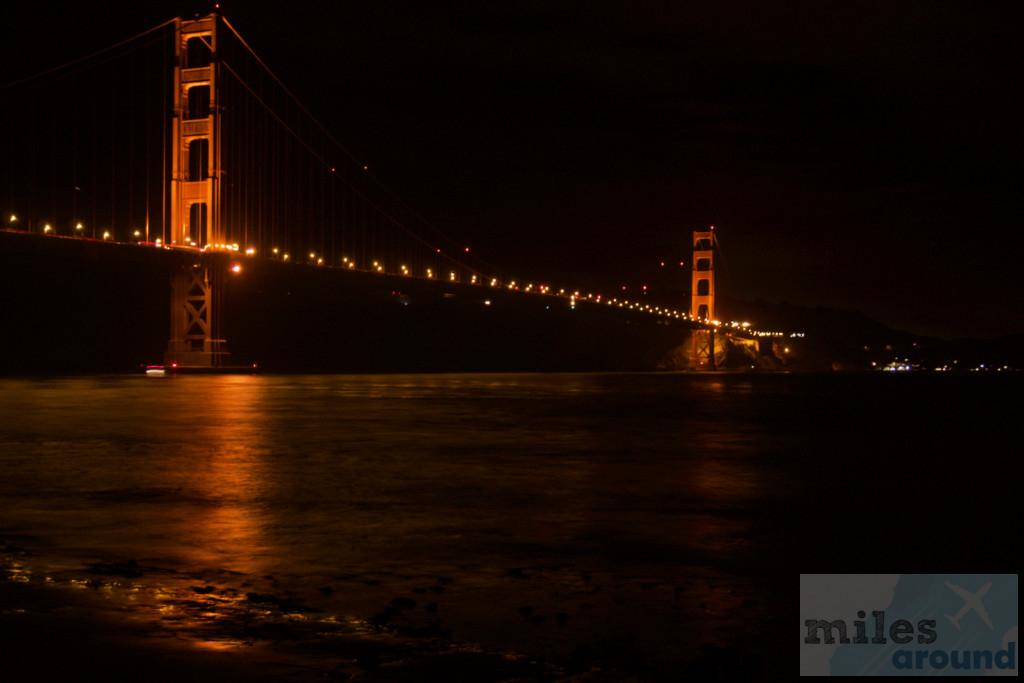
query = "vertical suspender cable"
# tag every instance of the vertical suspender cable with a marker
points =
(92, 180)
(146, 133)
(164, 137)
(32, 171)
(53, 166)
(74, 160)
(261, 143)
(113, 156)
(131, 153)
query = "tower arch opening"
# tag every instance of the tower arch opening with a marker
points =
(197, 52)
(198, 160)
(198, 102)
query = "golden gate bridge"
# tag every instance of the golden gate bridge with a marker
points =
(181, 139)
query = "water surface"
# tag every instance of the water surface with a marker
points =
(615, 519)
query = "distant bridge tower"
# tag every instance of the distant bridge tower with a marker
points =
(702, 298)
(195, 197)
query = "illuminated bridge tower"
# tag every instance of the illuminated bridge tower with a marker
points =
(702, 299)
(195, 217)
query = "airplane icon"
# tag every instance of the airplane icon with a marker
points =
(973, 601)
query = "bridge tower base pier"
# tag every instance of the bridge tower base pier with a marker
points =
(195, 340)
(704, 350)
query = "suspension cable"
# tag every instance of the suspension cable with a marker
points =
(82, 59)
(395, 221)
(351, 156)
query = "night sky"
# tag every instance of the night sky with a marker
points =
(862, 156)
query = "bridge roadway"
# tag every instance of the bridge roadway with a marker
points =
(79, 305)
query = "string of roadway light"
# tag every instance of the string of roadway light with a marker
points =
(543, 289)
(475, 279)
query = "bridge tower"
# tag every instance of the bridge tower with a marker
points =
(702, 298)
(195, 217)
(195, 136)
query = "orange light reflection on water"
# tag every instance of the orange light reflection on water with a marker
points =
(228, 534)
(223, 535)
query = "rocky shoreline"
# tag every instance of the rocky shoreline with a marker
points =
(130, 620)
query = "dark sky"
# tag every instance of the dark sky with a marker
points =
(857, 155)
